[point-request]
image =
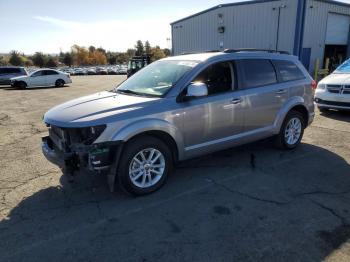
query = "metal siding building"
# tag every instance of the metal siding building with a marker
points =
(296, 26)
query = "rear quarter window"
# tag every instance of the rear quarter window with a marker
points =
(257, 72)
(288, 70)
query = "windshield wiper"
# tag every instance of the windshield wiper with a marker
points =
(126, 91)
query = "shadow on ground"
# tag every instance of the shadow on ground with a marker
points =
(343, 116)
(251, 203)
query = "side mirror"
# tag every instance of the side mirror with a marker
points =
(197, 90)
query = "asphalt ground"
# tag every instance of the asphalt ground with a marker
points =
(250, 203)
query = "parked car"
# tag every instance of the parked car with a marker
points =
(80, 71)
(91, 71)
(333, 92)
(178, 108)
(101, 71)
(112, 71)
(7, 72)
(41, 78)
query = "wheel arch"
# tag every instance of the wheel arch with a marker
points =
(157, 128)
(297, 104)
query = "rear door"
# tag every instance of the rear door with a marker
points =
(264, 95)
(51, 77)
(211, 120)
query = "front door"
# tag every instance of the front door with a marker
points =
(38, 79)
(211, 120)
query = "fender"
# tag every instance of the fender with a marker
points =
(292, 102)
(151, 124)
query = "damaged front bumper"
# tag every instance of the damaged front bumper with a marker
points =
(96, 157)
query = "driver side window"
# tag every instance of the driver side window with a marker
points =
(217, 77)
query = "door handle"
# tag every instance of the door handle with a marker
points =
(281, 92)
(236, 101)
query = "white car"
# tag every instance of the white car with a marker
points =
(41, 78)
(333, 92)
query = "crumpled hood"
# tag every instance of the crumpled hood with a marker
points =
(336, 79)
(96, 109)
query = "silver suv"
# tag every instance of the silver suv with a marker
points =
(179, 108)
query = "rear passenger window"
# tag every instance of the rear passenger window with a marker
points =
(50, 72)
(288, 70)
(257, 72)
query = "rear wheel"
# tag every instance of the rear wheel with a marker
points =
(292, 131)
(144, 165)
(59, 83)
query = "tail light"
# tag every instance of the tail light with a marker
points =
(313, 84)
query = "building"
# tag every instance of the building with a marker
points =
(310, 29)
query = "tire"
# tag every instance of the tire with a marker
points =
(145, 173)
(296, 121)
(59, 83)
(22, 85)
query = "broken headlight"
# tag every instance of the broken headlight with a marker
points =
(90, 134)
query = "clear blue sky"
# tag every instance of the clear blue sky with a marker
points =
(48, 26)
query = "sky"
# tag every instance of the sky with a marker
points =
(49, 26)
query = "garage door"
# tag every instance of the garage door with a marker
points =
(337, 29)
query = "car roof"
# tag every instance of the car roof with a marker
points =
(201, 57)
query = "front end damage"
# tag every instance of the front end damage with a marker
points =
(74, 149)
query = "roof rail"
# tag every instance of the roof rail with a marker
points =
(255, 50)
(200, 52)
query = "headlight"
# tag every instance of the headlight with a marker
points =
(321, 86)
(90, 134)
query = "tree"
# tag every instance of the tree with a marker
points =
(130, 52)
(139, 48)
(157, 53)
(68, 59)
(167, 51)
(92, 49)
(51, 62)
(3, 61)
(38, 59)
(100, 49)
(122, 58)
(80, 55)
(111, 58)
(16, 59)
(147, 48)
(100, 58)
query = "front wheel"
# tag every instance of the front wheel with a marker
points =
(292, 131)
(144, 166)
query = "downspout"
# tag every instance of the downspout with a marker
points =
(299, 28)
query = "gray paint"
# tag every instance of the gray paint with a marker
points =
(198, 126)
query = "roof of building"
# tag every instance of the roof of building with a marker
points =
(249, 3)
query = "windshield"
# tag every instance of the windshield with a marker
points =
(157, 78)
(343, 68)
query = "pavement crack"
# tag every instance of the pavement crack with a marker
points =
(270, 201)
(320, 192)
(331, 211)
